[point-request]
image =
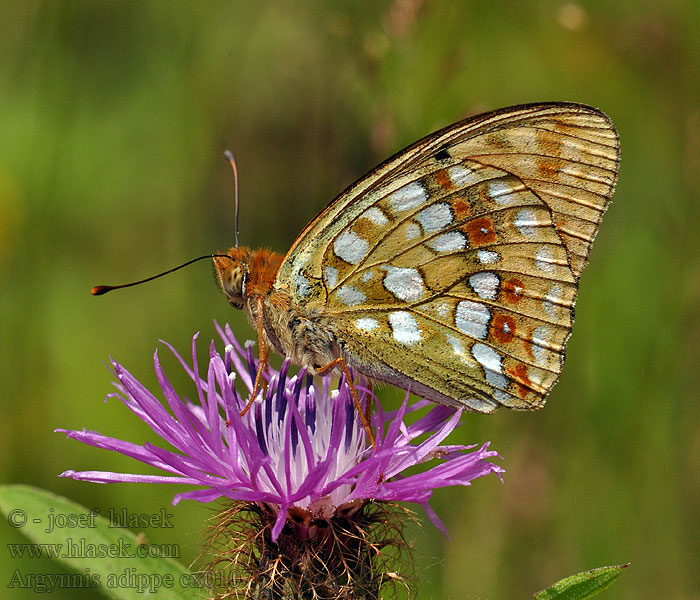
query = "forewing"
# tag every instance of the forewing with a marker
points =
(453, 266)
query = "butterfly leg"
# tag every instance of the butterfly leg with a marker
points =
(364, 413)
(263, 355)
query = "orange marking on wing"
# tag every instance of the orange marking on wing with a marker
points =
(528, 348)
(444, 180)
(480, 231)
(513, 289)
(519, 373)
(503, 328)
(484, 195)
(461, 209)
(547, 168)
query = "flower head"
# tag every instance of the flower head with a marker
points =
(299, 454)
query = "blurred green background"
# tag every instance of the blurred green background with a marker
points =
(113, 120)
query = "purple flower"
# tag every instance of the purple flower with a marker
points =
(300, 446)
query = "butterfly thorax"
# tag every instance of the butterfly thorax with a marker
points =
(247, 278)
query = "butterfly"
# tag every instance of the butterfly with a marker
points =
(452, 268)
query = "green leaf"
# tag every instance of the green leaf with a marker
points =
(108, 558)
(582, 585)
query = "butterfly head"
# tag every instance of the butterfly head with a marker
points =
(243, 273)
(232, 275)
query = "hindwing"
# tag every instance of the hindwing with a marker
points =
(453, 266)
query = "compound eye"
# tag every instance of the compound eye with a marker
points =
(233, 283)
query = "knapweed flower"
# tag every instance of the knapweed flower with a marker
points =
(297, 465)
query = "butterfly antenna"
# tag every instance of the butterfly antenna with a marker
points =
(232, 161)
(98, 290)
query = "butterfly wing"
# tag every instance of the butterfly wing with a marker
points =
(453, 266)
